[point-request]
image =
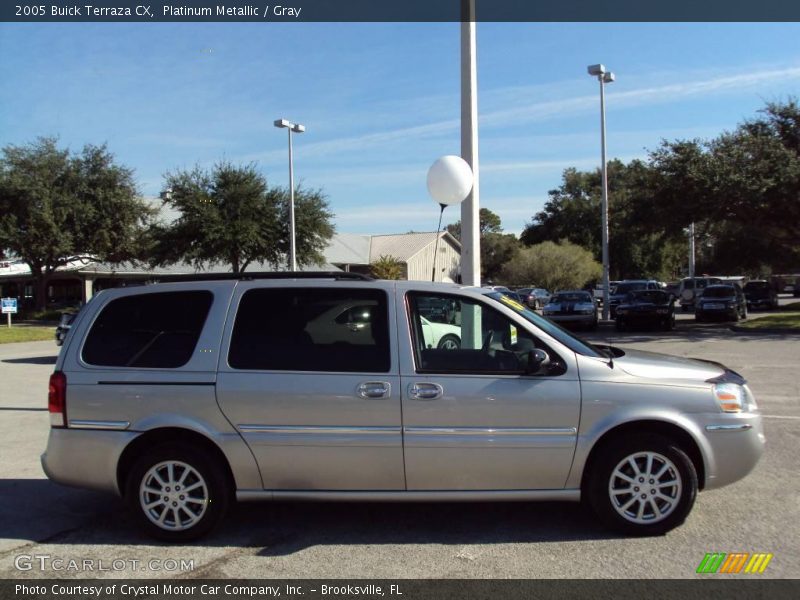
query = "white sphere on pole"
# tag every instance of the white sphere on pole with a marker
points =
(449, 180)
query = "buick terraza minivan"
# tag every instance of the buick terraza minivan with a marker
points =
(183, 397)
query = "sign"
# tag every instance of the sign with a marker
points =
(9, 305)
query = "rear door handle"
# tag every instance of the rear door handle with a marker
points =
(374, 389)
(425, 391)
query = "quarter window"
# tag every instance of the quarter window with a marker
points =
(148, 330)
(312, 329)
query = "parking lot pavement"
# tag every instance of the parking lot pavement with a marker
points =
(327, 540)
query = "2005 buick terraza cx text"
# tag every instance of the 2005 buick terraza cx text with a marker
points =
(184, 396)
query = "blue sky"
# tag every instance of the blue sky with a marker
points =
(381, 100)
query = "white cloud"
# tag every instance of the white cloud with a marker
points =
(560, 107)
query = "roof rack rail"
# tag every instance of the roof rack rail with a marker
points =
(337, 275)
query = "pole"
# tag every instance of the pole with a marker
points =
(604, 175)
(292, 255)
(691, 250)
(470, 208)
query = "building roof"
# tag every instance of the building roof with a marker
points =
(348, 248)
(404, 246)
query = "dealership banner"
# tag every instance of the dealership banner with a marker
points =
(398, 589)
(265, 11)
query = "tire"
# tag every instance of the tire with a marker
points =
(191, 515)
(615, 488)
(449, 342)
(619, 325)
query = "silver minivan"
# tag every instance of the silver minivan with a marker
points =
(183, 397)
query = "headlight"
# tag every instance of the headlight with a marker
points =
(662, 311)
(622, 311)
(731, 397)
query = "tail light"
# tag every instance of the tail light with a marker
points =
(57, 399)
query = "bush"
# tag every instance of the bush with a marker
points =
(554, 266)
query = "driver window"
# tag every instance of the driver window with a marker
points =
(455, 334)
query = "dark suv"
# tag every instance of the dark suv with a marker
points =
(725, 302)
(620, 293)
(760, 294)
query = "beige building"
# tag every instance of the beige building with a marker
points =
(351, 252)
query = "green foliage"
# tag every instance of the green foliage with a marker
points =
(230, 215)
(555, 266)
(56, 205)
(497, 250)
(741, 189)
(387, 267)
(488, 222)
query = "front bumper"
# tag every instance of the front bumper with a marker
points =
(574, 319)
(85, 458)
(735, 445)
(760, 302)
(716, 313)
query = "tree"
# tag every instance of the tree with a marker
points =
(230, 215)
(56, 206)
(488, 222)
(637, 241)
(555, 266)
(387, 267)
(497, 250)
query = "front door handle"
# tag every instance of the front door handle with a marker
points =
(374, 389)
(425, 391)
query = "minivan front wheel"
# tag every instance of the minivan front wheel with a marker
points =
(643, 485)
(177, 493)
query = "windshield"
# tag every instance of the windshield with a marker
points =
(562, 335)
(757, 285)
(571, 297)
(624, 288)
(722, 291)
(656, 296)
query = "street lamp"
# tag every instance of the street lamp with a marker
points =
(603, 77)
(297, 128)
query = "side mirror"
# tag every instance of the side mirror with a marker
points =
(538, 361)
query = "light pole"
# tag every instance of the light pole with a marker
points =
(603, 77)
(296, 128)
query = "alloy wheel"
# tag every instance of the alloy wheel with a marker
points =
(173, 495)
(645, 487)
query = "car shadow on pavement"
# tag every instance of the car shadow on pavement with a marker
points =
(298, 526)
(38, 510)
(36, 360)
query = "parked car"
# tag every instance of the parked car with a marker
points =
(184, 397)
(647, 308)
(574, 308)
(623, 288)
(504, 290)
(721, 302)
(760, 294)
(440, 335)
(63, 326)
(691, 287)
(534, 298)
(598, 291)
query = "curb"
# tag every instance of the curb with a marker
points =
(768, 330)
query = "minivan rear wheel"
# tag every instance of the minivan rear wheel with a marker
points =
(177, 493)
(642, 485)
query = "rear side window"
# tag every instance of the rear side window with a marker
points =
(148, 330)
(312, 329)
